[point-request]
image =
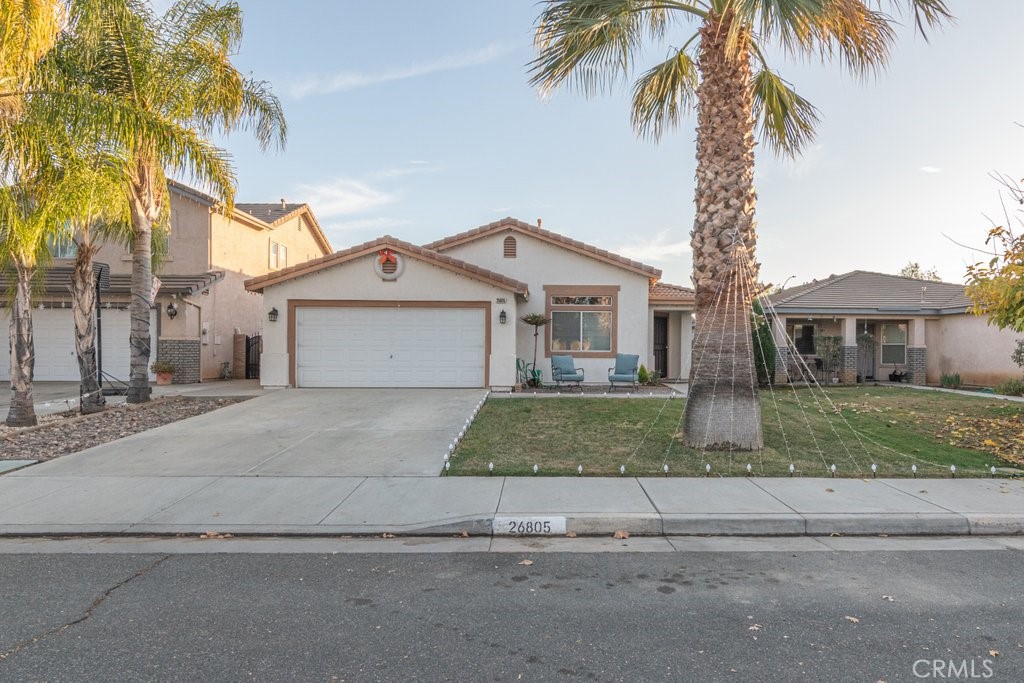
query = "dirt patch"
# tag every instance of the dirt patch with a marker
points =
(70, 432)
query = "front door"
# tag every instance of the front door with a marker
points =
(661, 346)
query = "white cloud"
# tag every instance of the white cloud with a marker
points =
(409, 169)
(931, 169)
(343, 196)
(808, 160)
(350, 80)
(659, 249)
(502, 209)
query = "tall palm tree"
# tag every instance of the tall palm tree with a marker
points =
(722, 72)
(168, 85)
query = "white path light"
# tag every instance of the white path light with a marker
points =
(749, 468)
(874, 469)
(579, 470)
(792, 469)
(952, 470)
(447, 466)
(622, 470)
(913, 468)
(833, 469)
(490, 467)
(993, 470)
(707, 468)
(664, 468)
(535, 468)
(446, 456)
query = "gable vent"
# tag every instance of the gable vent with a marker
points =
(510, 247)
(389, 267)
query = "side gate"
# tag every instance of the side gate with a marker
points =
(253, 347)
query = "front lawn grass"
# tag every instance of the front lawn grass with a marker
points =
(893, 428)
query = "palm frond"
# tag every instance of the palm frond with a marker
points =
(663, 94)
(786, 120)
(591, 44)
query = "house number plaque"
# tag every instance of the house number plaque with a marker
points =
(529, 526)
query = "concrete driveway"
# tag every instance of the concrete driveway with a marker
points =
(295, 433)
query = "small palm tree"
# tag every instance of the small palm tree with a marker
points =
(722, 72)
(164, 86)
(538, 320)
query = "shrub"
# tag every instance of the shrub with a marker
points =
(159, 366)
(642, 376)
(1011, 387)
(1018, 353)
(764, 347)
(951, 381)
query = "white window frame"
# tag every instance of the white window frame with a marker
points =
(274, 254)
(890, 345)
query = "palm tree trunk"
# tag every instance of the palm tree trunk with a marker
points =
(22, 412)
(141, 293)
(723, 411)
(83, 294)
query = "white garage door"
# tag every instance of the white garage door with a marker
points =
(389, 347)
(53, 334)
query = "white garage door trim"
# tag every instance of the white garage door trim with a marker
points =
(457, 350)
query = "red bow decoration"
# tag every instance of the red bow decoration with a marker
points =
(387, 255)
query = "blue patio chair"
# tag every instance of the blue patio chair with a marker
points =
(625, 371)
(563, 370)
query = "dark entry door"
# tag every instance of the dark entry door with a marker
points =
(661, 345)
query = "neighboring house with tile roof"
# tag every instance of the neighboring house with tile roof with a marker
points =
(918, 327)
(210, 254)
(391, 313)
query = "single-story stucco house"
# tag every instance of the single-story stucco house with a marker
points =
(892, 324)
(388, 313)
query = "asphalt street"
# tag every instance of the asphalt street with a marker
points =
(487, 616)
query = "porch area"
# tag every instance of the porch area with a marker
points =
(848, 350)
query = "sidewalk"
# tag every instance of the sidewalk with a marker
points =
(331, 506)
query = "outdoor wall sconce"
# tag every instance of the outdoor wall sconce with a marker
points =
(272, 315)
(172, 310)
(503, 317)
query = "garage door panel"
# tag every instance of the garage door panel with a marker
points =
(389, 347)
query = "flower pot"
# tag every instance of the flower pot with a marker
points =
(164, 377)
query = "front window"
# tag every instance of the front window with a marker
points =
(61, 247)
(581, 330)
(894, 344)
(274, 254)
(582, 319)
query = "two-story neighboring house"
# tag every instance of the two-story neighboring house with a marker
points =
(201, 304)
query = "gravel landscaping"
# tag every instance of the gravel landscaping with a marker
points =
(70, 432)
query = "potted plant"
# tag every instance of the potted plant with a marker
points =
(164, 371)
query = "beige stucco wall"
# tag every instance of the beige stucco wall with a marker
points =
(968, 345)
(356, 280)
(539, 263)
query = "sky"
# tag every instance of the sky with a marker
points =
(416, 119)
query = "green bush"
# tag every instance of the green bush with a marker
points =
(764, 347)
(642, 375)
(1011, 387)
(951, 381)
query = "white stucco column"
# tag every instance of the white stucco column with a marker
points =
(849, 327)
(685, 343)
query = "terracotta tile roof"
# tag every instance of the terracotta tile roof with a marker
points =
(547, 236)
(869, 292)
(663, 292)
(257, 284)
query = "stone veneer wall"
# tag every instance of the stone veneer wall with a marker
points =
(917, 364)
(184, 353)
(781, 363)
(848, 365)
